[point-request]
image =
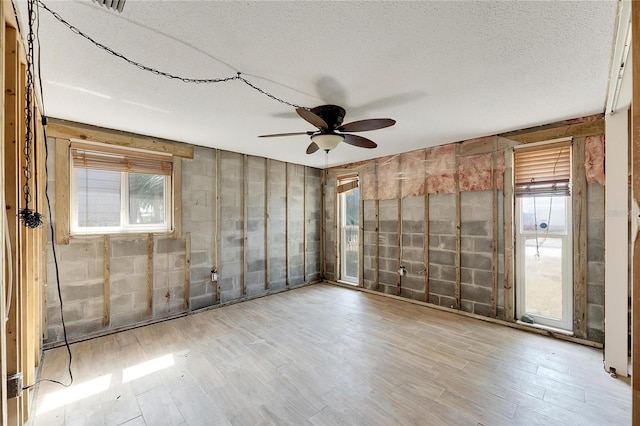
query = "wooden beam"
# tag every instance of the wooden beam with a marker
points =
(579, 212)
(62, 188)
(65, 129)
(508, 237)
(361, 240)
(546, 133)
(106, 311)
(323, 229)
(399, 245)
(187, 268)
(150, 274)
(245, 216)
(267, 189)
(458, 225)
(177, 197)
(426, 229)
(377, 258)
(216, 234)
(494, 229)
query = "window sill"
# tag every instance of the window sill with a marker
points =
(548, 328)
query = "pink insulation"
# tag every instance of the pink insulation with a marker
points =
(412, 173)
(475, 173)
(388, 182)
(441, 169)
(594, 159)
(368, 186)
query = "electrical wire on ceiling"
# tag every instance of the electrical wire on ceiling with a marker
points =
(155, 71)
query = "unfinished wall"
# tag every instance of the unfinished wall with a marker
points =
(465, 259)
(256, 220)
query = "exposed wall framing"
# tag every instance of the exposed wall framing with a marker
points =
(509, 295)
(458, 226)
(579, 212)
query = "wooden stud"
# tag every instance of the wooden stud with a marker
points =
(458, 224)
(216, 237)
(361, 240)
(245, 216)
(304, 226)
(579, 199)
(71, 130)
(399, 242)
(267, 264)
(336, 232)
(323, 217)
(150, 274)
(62, 188)
(177, 197)
(426, 229)
(187, 268)
(106, 311)
(635, 175)
(377, 258)
(509, 312)
(555, 131)
(286, 221)
(494, 229)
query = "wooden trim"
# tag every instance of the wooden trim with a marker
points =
(187, 269)
(361, 241)
(508, 237)
(106, 311)
(494, 229)
(579, 213)
(546, 133)
(336, 233)
(71, 130)
(458, 224)
(177, 197)
(62, 188)
(245, 216)
(267, 189)
(150, 274)
(635, 175)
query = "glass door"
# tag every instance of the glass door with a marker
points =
(348, 235)
(544, 279)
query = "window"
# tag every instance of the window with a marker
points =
(349, 206)
(117, 190)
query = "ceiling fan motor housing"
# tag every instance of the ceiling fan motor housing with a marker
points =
(331, 114)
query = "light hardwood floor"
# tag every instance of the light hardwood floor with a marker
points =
(329, 355)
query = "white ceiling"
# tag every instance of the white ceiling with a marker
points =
(446, 71)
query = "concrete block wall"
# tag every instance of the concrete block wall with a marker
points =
(199, 219)
(413, 283)
(595, 262)
(369, 235)
(330, 229)
(388, 240)
(81, 262)
(442, 249)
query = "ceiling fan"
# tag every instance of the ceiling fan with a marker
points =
(328, 120)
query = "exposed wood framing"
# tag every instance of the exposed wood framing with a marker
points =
(106, 311)
(71, 130)
(554, 131)
(150, 274)
(267, 189)
(426, 229)
(635, 174)
(3, 265)
(245, 217)
(376, 277)
(323, 219)
(336, 232)
(62, 187)
(579, 199)
(458, 294)
(494, 229)
(399, 277)
(177, 197)
(187, 268)
(216, 236)
(361, 240)
(508, 236)
(304, 226)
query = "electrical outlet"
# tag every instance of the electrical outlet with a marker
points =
(14, 386)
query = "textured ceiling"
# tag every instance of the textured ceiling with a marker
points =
(446, 71)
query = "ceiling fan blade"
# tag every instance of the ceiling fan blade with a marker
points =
(277, 135)
(359, 141)
(313, 147)
(364, 125)
(312, 118)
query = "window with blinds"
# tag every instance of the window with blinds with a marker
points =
(544, 170)
(115, 190)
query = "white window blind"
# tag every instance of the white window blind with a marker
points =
(543, 170)
(96, 157)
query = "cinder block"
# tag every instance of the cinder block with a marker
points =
(72, 272)
(476, 261)
(442, 257)
(483, 278)
(595, 316)
(476, 227)
(82, 291)
(122, 266)
(476, 293)
(442, 288)
(201, 302)
(442, 227)
(595, 294)
(482, 309)
(595, 273)
(127, 284)
(78, 250)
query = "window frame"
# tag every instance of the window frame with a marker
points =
(125, 227)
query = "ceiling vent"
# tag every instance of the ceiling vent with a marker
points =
(112, 4)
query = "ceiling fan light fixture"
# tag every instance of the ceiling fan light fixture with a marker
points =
(327, 141)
